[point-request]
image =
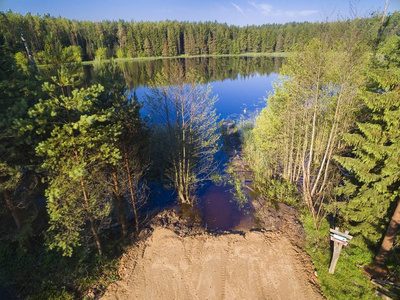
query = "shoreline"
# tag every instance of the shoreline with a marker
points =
(150, 58)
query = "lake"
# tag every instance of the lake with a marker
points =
(241, 84)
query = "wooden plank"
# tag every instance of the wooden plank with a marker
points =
(339, 237)
(339, 241)
(334, 231)
(337, 248)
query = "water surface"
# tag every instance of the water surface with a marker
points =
(241, 84)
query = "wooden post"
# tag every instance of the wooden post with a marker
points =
(339, 239)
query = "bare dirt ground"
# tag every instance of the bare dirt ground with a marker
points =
(176, 263)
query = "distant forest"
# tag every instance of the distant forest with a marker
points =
(122, 39)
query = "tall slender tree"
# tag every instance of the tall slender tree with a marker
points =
(299, 130)
(184, 117)
(17, 159)
(127, 175)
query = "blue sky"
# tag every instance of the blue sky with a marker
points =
(235, 12)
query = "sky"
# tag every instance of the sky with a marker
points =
(232, 12)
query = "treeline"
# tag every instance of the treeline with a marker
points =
(328, 142)
(120, 39)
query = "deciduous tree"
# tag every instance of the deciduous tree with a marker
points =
(185, 120)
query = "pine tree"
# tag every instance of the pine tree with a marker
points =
(374, 165)
(79, 140)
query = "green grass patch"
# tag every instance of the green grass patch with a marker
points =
(348, 281)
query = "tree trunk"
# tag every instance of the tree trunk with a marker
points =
(381, 27)
(120, 207)
(17, 218)
(390, 235)
(131, 189)
(13, 209)
(91, 220)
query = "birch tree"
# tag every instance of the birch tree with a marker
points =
(185, 120)
(300, 128)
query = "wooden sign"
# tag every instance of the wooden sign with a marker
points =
(339, 239)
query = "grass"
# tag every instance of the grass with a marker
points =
(348, 281)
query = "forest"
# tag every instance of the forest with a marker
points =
(122, 39)
(78, 160)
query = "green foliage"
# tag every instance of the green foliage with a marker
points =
(72, 54)
(101, 53)
(132, 143)
(121, 53)
(298, 132)
(278, 191)
(44, 274)
(22, 61)
(80, 139)
(172, 38)
(239, 195)
(18, 89)
(234, 179)
(75, 134)
(348, 281)
(372, 187)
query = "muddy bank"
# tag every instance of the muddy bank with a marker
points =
(281, 218)
(179, 262)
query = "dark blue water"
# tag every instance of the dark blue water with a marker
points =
(240, 95)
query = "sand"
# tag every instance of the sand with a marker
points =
(251, 265)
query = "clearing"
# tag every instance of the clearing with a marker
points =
(177, 262)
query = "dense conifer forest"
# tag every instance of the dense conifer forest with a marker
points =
(106, 39)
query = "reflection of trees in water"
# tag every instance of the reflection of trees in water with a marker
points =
(140, 73)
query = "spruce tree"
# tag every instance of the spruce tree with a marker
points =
(374, 164)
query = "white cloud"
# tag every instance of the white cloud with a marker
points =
(264, 8)
(268, 10)
(238, 8)
(307, 12)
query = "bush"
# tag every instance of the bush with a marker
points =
(101, 53)
(121, 53)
